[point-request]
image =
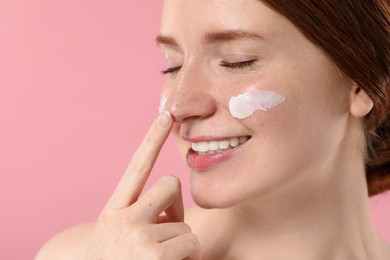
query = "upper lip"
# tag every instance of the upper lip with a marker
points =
(210, 138)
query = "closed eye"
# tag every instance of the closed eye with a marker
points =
(233, 65)
(171, 70)
(237, 65)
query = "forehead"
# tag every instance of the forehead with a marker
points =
(189, 19)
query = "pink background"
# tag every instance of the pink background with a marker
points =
(80, 84)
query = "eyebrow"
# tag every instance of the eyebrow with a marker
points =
(214, 37)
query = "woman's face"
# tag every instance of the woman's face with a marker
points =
(292, 147)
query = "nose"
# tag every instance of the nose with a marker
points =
(190, 96)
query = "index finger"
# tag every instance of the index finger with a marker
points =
(135, 176)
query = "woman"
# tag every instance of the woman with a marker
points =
(281, 109)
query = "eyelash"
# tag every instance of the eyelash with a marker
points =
(171, 70)
(234, 65)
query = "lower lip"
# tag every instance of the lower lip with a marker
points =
(202, 162)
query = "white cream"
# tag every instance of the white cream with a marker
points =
(245, 104)
(163, 101)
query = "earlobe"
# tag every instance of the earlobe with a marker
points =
(361, 103)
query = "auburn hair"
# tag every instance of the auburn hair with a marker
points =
(355, 34)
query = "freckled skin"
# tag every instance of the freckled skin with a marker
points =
(296, 191)
(302, 155)
(287, 63)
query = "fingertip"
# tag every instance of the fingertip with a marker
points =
(164, 120)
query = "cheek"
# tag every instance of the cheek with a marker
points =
(307, 133)
(315, 112)
(182, 145)
(307, 127)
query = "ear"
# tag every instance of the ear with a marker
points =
(361, 104)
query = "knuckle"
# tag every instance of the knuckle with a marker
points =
(192, 239)
(136, 166)
(105, 218)
(149, 139)
(186, 227)
(132, 217)
(139, 235)
(172, 181)
(157, 254)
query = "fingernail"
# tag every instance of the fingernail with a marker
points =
(164, 120)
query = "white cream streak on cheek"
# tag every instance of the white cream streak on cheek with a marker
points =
(244, 105)
(163, 101)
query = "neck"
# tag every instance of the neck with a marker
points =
(328, 221)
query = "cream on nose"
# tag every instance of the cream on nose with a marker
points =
(185, 107)
(163, 102)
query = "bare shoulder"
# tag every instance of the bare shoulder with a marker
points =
(72, 243)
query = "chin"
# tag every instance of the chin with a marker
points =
(214, 197)
(210, 202)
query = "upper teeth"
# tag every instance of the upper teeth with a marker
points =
(218, 145)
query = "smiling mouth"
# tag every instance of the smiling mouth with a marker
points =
(211, 147)
(204, 155)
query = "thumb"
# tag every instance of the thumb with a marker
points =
(175, 213)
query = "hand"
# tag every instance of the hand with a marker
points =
(132, 228)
